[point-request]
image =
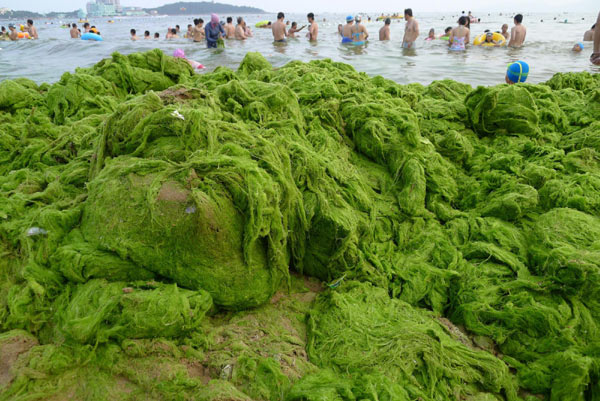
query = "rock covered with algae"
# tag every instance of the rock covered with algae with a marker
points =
(304, 233)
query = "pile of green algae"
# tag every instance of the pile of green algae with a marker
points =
(302, 233)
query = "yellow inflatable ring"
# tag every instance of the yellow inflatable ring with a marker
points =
(261, 24)
(497, 38)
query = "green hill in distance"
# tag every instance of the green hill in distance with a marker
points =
(204, 7)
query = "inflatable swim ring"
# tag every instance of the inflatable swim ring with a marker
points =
(384, 17)
(261, 24)
(91, 36)
(498, 38)
(23, 35)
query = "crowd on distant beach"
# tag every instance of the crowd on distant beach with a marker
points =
(353, 32)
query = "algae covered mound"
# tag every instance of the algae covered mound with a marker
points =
(301, 233)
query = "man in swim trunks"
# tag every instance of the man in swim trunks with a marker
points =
(198, 31)
(518, 33)
(595, 57)
(313, 30)
(505, 32)
(359, 32)
(75, 34)
(347, 30)
(229, 29)
(13, 35)
(240, 33)
(32, 29)
(384, 32)
(278, 29)
(213, 31)
(411, 31)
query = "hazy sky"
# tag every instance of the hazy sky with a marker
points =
(340, 5)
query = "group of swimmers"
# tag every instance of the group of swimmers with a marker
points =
(457, 37)
(210, 33)
(354, 32)
(27, 31)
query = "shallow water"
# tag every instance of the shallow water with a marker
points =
(547, 49)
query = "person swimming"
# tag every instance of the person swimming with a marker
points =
(431, 35)
(578, 47)
(446, 34)
(489, 39)
(517, 72)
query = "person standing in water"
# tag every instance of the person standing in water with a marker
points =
(33, 34)
(229, 29)
(518, 33)
(75, 34)
(13, 34)
(384, 32)
(134, 36)
(359, 32)
(198, 31)
(595, 57)
(213, 31)
(411, 31)
(240, 33)
(347, 30)
(459, 36)
(313, 30)
(189, 34)
(505, 32)
(86, 27)
(278, 29)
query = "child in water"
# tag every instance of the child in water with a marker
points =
(431, 35)
(578, 47)
(517, 72)
(446, 35)
(179, 53)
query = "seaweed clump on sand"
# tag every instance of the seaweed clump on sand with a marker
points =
(301, 233)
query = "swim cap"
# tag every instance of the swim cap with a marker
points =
(179, 53)
(518, 71)
(349, 18)
(580, 45)
(214, 18)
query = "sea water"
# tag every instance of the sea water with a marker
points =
(547, 48)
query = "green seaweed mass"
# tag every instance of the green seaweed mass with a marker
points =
(303, 233)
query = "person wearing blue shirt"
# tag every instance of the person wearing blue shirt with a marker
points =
(213, 31)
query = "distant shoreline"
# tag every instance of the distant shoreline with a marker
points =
(172, 9)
